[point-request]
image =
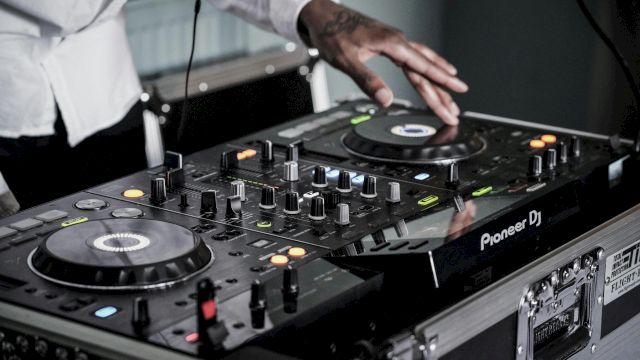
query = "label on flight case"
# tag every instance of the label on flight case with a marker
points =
(622, 272)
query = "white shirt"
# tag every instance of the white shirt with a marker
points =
(75, 53)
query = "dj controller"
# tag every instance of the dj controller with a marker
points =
(318, 238)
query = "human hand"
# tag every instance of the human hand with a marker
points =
(347, 39)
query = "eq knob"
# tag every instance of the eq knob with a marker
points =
(258, 304)
(140, 316)
(319, 177)
(453, 179)
(393, 193)
(267, 152)
(549, 159)
(535, 166)
(369, 187)
(158, 191)
(208, 203)
(238, 188)
(331, 199)
(562, 152)
(290, 171)
(268, 198)
(342, 214)
(344, 181)
(574, 147)
(292, 203)
(317, 209)
(234, 207)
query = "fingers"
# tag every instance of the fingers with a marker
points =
(435, 58)
(430, 95)
(447, 100)
(367, 80)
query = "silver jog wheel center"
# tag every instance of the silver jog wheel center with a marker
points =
(121, 242)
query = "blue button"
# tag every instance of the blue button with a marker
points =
(106, 311)
(358, 180)
(333, 174)
(422, 176)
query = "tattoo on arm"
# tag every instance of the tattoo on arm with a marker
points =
(345, 21)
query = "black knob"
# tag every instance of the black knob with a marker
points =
(140, 316)
(331, 199)
(234, 207)
(575, 147)
(258, 304)
(344, 181)
(292, 152)
(174, 178)
(211, 331)
(290, 289)
(319, 177)
(268, 198)
(184, 201)
(549, 159)
(228, 160)
(267, 151)
(208, 203)
(158, 191)
(369, 187)
(562, 152)
(452, 175)
(535, 166)
(292, 203)
(317, 208)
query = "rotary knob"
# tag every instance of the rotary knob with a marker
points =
(140, 318)
(319, 177)
(344, 181)
(268, 198)
(549, 159)
(535, 166)
(369, 187)
(342, 214)
(562, 152)
(234, 207)
(238, 188)
(290, 171)
(158, 191)
(290, 289)
(292, 203)
(453, 179)
(208, 203)
(258, 304)
(575, 147)
(292, 152)
(393, 192)
(317, 209)
(267, 152)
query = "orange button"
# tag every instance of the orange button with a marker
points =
(548, 138)
(537, 144)
(279, 260)
(297, 251)
(250, 153)
(241, 156)
(133, 193)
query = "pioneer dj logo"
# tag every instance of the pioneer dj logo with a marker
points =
(534, 220)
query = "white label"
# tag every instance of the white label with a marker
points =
(622, 272)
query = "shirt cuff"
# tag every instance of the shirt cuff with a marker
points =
(284, 17)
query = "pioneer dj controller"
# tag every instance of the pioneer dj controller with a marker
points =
(302, 239)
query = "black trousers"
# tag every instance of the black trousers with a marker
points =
(43, 168)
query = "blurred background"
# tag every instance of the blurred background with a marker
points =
(531, 60)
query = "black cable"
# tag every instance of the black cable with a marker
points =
(182, 124)
(623, 64)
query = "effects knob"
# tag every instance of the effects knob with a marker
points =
(268, 198)
(393, 192)
(292, 203)
(549, 159)
(290, 171)
(238, 188)
(369, 187)
(140, 318)
(331, 199)
(158, 191)
(317, 209)
(344, 181)
(342, 214)
(319, 177)
(535, 166)
(208, 203)
(267, 151)
(562, 152)
(234, 207)
(574, 147)
(453, 179)
(258, 304)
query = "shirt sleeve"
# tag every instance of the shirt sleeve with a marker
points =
(279, 16)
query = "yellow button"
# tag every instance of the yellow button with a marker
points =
(537, 144)
(297, 251)
(241, 156)
(74, 221)
(249, 153)
(548, 138)
(279, 260)
(133, 193)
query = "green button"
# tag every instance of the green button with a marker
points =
(74, 221)
(482, 191)
(263, 224)
(360, 119)
(429, 200)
